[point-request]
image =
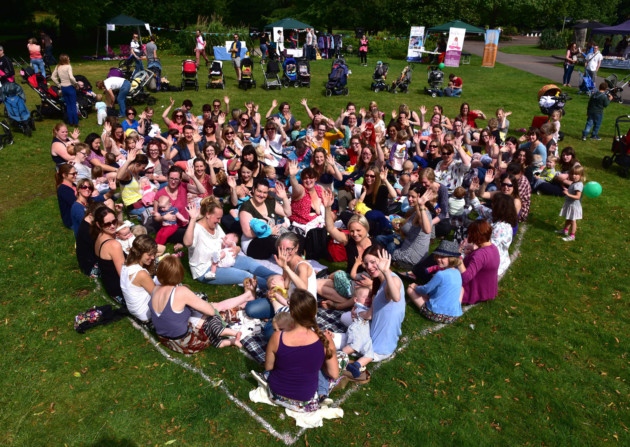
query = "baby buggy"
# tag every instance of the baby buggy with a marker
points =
(435, 78)
(338, 79)
(85, 96)
(587, 86)
(289, 72)
(402, 83)
(14, 100)
(155, 67)
(271, 73)
(6, 139)
(189, 74)
(247, 74)
(304, 72)
(52, 106)
(615, 87)
(138, 92)
(620, 146)
(379, 76)
(215, 76)
(551, 98)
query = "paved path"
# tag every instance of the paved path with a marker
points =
(545, 67)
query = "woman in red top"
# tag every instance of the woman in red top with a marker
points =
(306, 200)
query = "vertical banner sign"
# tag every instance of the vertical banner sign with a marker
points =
(416, 44)
(454, 47)
(490, 50)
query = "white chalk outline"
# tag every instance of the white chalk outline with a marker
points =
(288, 438)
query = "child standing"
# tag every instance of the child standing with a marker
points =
(101, 110)
(595, 112)
(572, 208)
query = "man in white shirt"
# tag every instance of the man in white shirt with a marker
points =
(593, 62)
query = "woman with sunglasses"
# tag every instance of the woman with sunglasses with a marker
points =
(507, 184)
(177, 120)
(113, 138)
(273, 141)
(248, 126)
(231, 145)
(211, 131)
(85, 188)
(66, 191)
(157, 168)
(109, 252)
(430, 156)
(130, 121)
(450, 170)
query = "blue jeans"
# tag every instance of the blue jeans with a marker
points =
(263, 51)
(122, 98)
(568, 71)
(244, 267)
(38, 66)
(261, 309)
(387, 241)
(139, 66)
(70, 98)
(593, 121)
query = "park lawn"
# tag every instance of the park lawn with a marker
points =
(546, 363)
(531, 50)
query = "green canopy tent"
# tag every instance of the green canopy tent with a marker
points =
(288, 23)
(123, 20)
(446, 27)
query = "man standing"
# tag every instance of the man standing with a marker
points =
(235, 51)
(595, 112)
(309, 45)
(593, 61)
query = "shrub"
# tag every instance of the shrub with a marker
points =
(550, 39)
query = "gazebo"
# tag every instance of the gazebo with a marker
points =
(123, 20)
(446, 27)
(288, 23)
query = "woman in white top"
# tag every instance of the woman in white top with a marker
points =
(136, 280)
(297, 272)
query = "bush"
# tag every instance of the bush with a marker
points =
(550, 39)
(381, 47)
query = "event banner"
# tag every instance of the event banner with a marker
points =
(490, 50)
(416, 44)
(454, 47)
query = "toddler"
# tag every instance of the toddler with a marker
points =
(169, 227)
(282, 321)
(457, 202)
(125, 236)
(270, 175)
(224, 257)
(101, 110)
(547, 174)
(359, 340)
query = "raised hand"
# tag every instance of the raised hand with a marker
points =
(293, 168)
(489, 178)
(274, 103)
(384, 260)
(231, 181)
(281, 191)
(193, 211)
(226, 100)
(474, 184)
(328, 199)
(423, 110)
(304, 102)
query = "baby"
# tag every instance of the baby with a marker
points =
(282, 321)
(547, 174)
(169, 227)
(125, 236)
(457, 202)
(101, 110)
(148, 190)
(359, 340)
(270, 175)
(224, 257)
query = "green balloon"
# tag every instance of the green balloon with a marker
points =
(592, 189)
(441, 66)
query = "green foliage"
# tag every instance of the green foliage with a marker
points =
(382, 47)
(550, 39)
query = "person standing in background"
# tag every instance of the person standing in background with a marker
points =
(363, 50)
(200, 47)
(47, 43)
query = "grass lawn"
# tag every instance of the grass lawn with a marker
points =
(547, 363)
(530, 50)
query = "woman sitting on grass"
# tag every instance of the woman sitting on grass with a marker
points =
(481, 264)
(136, 280)
(109, 252)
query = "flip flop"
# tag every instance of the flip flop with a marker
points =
(408, 275)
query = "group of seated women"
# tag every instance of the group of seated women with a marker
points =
(245, 197)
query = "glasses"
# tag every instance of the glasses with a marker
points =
(174, 179)
(86, 187)
(229, 133)
(369, 176)
(111, 223)
(72, 173)
(216, 105)
(82, 153)
(446, 154)
(272, 129)
(131, 113)
(244, 119)
(433, 146)
(507, 185)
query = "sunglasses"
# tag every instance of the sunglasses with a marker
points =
(369, 176)
(72, 173)
(446, 154)
(86, 187)
(111, 223)
(433, 146)
(131, 113)
(179, 116)
(507, 185)
(216, 105)
(229, 133)
(244, 119)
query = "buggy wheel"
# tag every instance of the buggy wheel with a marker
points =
(36, 115)
(620, 100)
(31, 123)
(433, 94)
(83, 113)
(607, 162)
(623, 172)
(151, 101)
(27, 130)
(376, 89)
(346, 91)
(328, 92)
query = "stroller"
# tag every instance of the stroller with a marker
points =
(155, 67)
(615, 87)
(587, 85)
(247, 74)
(620, 146)
(435, 78)
(215, 76)
(14, 100)
(6, 139)
(551, 98)
(85, 97)
(338, 79)
(289, 72)
(189, 74)
(304, 72)
(271, 73)
(402, 83)
(137, 93)
(52, 105)
(379, 76)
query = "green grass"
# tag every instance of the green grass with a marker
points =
(545, 364)
(530, 50)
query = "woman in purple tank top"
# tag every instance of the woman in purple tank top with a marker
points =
(295, 357)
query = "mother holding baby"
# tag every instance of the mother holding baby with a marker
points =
(205, 239)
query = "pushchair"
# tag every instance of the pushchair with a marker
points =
(6, 139)
(551, 98)
(304, 72)
(289, 72)
(52, 105)
(14, 100)
(126, 67)
(587, 86)
(338, 79)
(85, 96)
(189, 74)
(379, 76)
(435, 78)
(247, 74)
(271, 73)
(155, 67)
(620, 146)
(615, 87)
(402, 83)
(215, 76)
(138, 93)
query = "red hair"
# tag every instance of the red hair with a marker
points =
(371, 140)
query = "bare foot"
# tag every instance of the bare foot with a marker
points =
(178, 247)
(237, 340)
(250, 284)
(327, 304)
